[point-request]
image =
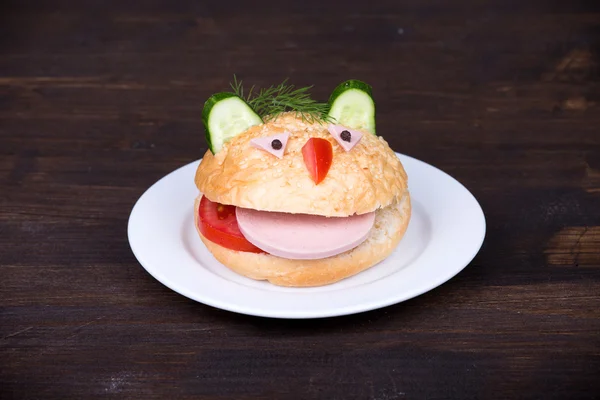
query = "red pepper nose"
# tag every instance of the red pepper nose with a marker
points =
(317, 154)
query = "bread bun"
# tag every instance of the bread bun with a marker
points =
(362, 180)
(390, 224)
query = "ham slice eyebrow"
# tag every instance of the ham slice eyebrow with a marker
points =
(266, 143)
(350, 139)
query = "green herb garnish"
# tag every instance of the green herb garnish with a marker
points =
(270, 102)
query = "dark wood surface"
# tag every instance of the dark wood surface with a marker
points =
(99, 99)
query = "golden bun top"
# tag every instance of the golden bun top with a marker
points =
(364, 179)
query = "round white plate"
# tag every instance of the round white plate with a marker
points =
(444, 234)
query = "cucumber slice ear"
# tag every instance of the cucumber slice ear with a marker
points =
(351, 104)
(224, 116)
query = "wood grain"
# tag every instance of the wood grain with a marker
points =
(98, 100)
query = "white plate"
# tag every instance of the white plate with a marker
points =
(444, 234)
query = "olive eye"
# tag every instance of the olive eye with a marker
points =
(276, 144)
(346, 136)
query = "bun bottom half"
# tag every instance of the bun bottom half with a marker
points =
(389, 228)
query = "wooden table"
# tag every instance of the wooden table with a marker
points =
(98, 100)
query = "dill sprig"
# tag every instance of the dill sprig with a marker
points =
(270, 102)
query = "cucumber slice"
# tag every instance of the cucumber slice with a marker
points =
(351, 104)
(224, 116)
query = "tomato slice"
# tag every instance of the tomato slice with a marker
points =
(317, 154)
(218, 224)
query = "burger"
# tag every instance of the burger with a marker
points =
(300, 194)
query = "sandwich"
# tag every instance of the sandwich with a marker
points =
(296, 192)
